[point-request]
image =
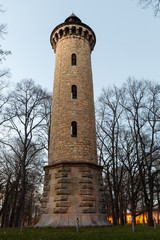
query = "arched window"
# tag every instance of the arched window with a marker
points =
(66, 31)
(74, 60)
(80, 31)
(73, 129)
(73, 30)
(56, 37)
(61, 33)
(74, 91)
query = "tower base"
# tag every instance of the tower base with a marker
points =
(63, 220)
(73, 192)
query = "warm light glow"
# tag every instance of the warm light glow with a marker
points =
(140, 218)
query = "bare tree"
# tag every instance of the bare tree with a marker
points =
(132, 183)
(46, 115)
(3, 53)
(142, 108)
(128, 133)
(4, 73)
(108, 131)
(26, 127)
(155, 4)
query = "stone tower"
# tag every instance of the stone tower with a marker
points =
(73, 187)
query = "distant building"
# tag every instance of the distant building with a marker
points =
(141, 218)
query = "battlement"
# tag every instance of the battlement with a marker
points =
(73, 29)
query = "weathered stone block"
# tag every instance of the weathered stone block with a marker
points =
(88, 198)
(45, 199)
(89, 210)
(63, 192)
(86, 204)
(46, 182)
(60, 210)
(87, 175)
(86, 192)
(99, 176)
(63, 204)
(43, 210)
(87, 186)
(85, 180)
(61, 174)
(46, 188)
(61, 198)
(46, 171)
(47, 177)
(45, 194)
(61, 186)
(43, 205)
(64, 180)
(84, 169)
(64, 169)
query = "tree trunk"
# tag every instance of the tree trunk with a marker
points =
(14, 205)
(21, 203)
(150, 217)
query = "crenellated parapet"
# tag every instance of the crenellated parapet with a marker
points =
(73, 29)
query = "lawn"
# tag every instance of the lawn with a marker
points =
(97, 233)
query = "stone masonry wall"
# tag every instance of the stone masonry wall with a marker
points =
(74, 191)
(63, 147)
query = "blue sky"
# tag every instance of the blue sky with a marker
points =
(128, 39)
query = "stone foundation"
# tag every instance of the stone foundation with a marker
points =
(71, 191)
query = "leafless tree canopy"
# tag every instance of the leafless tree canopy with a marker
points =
(128, 133)
(3, 53)
(24, 146)
(155, 4)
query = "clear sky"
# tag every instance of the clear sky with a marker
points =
(128, 39)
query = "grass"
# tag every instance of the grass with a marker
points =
(97, 233)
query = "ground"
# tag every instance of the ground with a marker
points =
(99, 233)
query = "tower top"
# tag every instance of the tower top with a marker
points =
(72, 27)
(73, 18)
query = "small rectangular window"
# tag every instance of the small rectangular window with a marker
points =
(73, 129)
(74, 91)
(74, 59)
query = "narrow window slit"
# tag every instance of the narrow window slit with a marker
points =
(73, 129)
(74, 59)
(74, 92)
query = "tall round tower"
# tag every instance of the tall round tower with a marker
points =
(73, 188)
(73, 136)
